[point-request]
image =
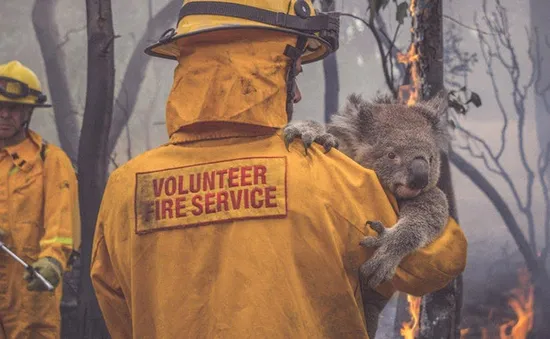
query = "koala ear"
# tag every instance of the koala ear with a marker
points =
(358, 108)
(352, 119)
(436, 107)
(354, 102)
(435, 110)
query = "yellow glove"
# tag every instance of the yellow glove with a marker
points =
(49, 268)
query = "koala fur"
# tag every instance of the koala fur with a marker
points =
(402, 144)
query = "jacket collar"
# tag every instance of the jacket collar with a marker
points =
(25, 154)
(218, 130)
(224, 85)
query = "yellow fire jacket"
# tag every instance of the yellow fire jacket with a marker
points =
(261, 243)
(223, 233)
(40, 208)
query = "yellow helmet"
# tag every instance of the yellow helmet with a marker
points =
(19, 84)
(318, 31)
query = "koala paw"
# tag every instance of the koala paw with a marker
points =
(381, 267)
(378, 269)
(309, 131)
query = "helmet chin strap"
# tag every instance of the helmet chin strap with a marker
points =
(25, 124)
(293, 53)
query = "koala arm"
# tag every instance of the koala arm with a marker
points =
(431, 268)
(421, 220)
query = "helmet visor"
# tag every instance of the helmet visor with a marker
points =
(15, 89)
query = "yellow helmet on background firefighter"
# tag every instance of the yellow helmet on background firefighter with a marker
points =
(318, 31)
(20, 85)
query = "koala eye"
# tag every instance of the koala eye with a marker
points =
(391, 155)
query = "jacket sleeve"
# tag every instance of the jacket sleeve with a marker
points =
(108, 289)
(358, 197)
(61, 207)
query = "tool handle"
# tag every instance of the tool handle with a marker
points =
(48, 285)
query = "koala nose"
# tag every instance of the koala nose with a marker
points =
(419, 173)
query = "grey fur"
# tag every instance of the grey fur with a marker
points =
(402, 144)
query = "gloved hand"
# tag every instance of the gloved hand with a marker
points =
(2, 233)
(49, 268)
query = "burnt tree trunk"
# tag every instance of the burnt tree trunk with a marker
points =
(47, 34)
(330, 70)
(92, 157)
(540, 24)
(440, 310)
(332, 85)
(402, 314)
(541, 295)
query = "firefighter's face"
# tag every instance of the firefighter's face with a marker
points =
(12, 117)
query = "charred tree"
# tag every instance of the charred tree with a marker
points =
(330, 70)
(440, 310)
(93, 156)
(402, 313)
(539, 23)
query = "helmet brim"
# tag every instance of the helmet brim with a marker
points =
(26, 103)
(317, 49)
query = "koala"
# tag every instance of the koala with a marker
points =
(402, 144)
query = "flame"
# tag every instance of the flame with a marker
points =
(521, 302)
(410, 329)
(411, 57)
(412, 6)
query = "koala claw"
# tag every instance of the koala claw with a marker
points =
(310, 132)
(290, 133)
(307, 140)
(377, 226)
(328, 141)
(293, 132)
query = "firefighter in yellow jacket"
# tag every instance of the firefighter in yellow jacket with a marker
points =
(222, 232)
(38, 211)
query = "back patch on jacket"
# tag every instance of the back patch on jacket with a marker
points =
(210, 192)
